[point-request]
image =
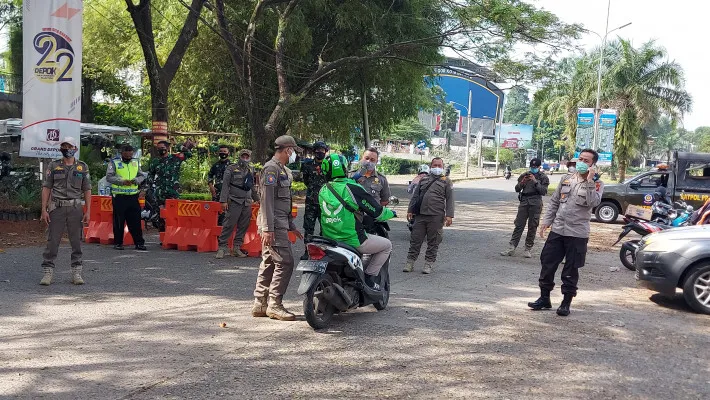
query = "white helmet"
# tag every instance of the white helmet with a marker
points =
(423, 168)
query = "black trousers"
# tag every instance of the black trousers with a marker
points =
(127, 211)
(557, 247)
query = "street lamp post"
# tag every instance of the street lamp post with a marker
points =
(597, 109)
(468, 129)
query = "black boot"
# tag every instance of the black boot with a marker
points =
(563, 310)
(542, 302)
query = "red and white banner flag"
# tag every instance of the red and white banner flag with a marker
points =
(51, 108)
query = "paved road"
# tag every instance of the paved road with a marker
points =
(146, 326)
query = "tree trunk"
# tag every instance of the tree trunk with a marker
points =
(622, 170)
(87, 103)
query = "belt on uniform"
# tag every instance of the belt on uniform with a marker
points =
(67, 203)
(530, 194)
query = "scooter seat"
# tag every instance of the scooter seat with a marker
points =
(332, 242)
(350, 248)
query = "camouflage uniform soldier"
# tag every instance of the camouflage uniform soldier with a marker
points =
(66, 183)
(164, 171)
(314, 180)
(216, 175)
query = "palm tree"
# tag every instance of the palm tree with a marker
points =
(641, 84)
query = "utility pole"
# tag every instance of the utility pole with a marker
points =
(365, 118)
(500, 128)
(468, 132)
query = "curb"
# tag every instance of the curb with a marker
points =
(478, 178)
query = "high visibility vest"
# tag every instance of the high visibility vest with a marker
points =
(127, 172)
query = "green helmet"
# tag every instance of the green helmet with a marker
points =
(334, 166)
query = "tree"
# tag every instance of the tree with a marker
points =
(517, 105)
(320, 45)
(161, 75)
(643, 84)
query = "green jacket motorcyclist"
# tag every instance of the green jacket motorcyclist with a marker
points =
(343, 222)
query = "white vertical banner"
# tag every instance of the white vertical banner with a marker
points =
(51, 109)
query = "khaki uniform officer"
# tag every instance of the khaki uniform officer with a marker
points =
(236, 197)
(66, 183)
(274, 222)
(432, 207)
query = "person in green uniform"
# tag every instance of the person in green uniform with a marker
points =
(66, 184)
(342, 220)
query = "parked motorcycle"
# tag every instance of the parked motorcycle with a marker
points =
(627, 253)
(675, 215)
(333, 280)
(151, 211)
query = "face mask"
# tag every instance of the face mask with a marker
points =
(223, 156)
(534, 170)
(68, 153)
(582, 168)
(572, 170)
(320, 156)
(437, 171)
(162, 152)
(246, 160)
(292, 157)
(369, 166)
(126, 160)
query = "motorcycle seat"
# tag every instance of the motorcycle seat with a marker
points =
(321, 239)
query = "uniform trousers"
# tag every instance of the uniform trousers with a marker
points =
(276, 267)
(67, 218)
(557, 247)
(127, 211)
(431, 228)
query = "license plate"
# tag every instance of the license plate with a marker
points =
(312, 266)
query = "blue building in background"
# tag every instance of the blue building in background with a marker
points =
(458, 78)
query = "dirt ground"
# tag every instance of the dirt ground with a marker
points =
(22, 233)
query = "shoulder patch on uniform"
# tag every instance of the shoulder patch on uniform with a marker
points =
(565, 182)
(598, 185)
(79, 168)
(270, 178)
(443, 178)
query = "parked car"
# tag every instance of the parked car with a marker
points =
(677, 258)
(687, 179)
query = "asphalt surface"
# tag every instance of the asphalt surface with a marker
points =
(147, 326)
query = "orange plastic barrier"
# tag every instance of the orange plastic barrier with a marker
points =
(100, 229)
(190, 225)
(252, 240)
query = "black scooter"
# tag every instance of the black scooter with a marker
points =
(151, 211)
(333, 280)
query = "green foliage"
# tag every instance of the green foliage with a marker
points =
(122, 114)
(517, 106)
(410, 129)
(196, 196)
(298, 186)
(505, 156)
(397, 166)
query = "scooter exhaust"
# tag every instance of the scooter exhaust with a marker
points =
(337, 296)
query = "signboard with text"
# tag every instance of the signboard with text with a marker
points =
(52, 48)
(516, 136)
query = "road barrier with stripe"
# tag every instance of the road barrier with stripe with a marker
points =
(190, 225)
(100, 228)
(252, 240)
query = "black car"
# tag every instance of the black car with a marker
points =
(677, 258)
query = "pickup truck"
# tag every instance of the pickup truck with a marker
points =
(686, 178)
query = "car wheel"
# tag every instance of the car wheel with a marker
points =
(607, 212)
(696, 289)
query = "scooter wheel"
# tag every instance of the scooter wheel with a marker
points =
(627, 255)
(318, 312)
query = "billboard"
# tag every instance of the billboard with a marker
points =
(516, 136)
(52, 51)
(585, 133)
